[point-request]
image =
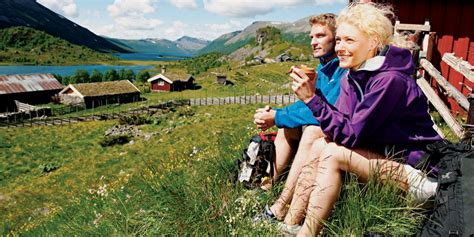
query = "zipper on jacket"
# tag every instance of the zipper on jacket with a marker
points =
(358, 87)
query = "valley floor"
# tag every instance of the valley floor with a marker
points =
(179, 181)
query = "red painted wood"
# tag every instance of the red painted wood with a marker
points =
(165, 87)
(453, 21)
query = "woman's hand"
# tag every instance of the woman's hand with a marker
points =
(302, 85)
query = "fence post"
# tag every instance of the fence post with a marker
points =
(245, 95)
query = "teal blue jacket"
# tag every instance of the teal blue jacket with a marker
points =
(328, 82)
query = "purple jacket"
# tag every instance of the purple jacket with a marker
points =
(380, 107)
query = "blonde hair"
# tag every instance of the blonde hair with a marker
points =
(326, 19)
(371, 19)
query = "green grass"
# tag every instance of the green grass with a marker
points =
(266, 79)
(23, 45)
(59, 180)
(180, 182)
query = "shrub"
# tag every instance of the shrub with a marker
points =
(50, 167)
(114, 140)
(134, 120)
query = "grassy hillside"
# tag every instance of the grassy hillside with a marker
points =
(22, 45)
(30, 13)
(178, 182)
(178, 179)
(297, 38)
(220, 46)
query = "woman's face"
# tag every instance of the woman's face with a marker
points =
(353, 47)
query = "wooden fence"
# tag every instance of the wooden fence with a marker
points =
(51, 121)
(462, 131)
(249, 99)
(31, 121)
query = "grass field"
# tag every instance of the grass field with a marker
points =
(59, 180)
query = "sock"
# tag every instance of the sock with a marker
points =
(420, 186)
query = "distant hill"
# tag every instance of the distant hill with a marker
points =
(296, 32)
(185, 46)
(29, 13)
(191, 44)
(23, 45)
(219, 44)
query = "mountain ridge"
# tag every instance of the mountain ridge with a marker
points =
(184, 46)
(31, 14)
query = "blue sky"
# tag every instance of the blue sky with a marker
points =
(171, 19)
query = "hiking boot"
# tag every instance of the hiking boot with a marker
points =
(288, 230)
(266, 215)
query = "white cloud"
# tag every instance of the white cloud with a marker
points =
(236, 23)
(243, 8)
(328, 2)
(129, 16)
(137, 23)
(67, 8)
(207, 31)
(179, 24)
(130, 8)
(189, 4)
(248, 8)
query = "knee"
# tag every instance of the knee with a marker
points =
(316, 147)
(331, 156)
(311, 134)
(291, 135)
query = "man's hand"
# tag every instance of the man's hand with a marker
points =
(264, 118)
(302, 85)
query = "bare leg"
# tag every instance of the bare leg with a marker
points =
(310, 134)
(305, 184)
(334, 159)
(286, 145)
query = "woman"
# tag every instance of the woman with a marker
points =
(380, 109)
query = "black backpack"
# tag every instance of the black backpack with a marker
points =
(453, 213)
(257, 161)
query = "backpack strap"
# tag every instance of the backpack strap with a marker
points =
(271, 137)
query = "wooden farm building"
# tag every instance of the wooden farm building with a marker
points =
(221, 79)
(444, 31)
(28, 88)
(283, 58)
(451, 30)
(100, 93)
(171, 81)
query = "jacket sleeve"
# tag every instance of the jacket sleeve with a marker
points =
(375, 108)
(295, 115)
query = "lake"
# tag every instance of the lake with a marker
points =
(67, 70)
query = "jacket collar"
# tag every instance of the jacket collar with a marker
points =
(329, 67)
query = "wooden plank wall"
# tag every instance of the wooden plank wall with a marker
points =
(453, 21)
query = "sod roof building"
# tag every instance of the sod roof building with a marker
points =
(97, 94)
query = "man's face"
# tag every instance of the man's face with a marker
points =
(322, 40)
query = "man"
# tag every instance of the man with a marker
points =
(298, 128)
